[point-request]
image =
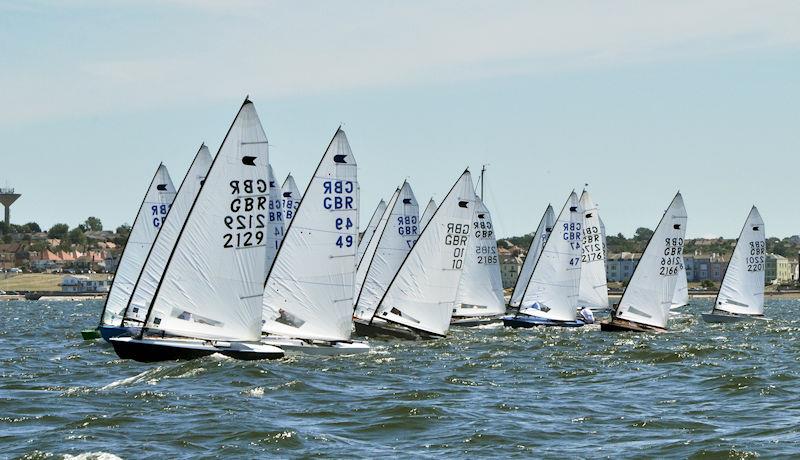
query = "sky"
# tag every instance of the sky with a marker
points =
(637, 99)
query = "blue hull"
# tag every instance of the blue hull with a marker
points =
(530, 321)
(109, 332)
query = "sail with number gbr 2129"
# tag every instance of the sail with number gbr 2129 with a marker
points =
(532, 256)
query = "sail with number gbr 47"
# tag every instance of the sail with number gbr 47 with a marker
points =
(209, 297)
(420, 298)
(551, 296)
(741, 294)
(646, 301)
(308, 294)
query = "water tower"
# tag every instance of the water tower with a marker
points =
(7, 198)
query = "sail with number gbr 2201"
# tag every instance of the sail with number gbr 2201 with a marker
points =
(648, 297)
(308, 294)
(742, 289)
(422, 294)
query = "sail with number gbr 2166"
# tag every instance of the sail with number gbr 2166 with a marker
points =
(209, 298)
(308, 294)
(645, 304)
(420, 298)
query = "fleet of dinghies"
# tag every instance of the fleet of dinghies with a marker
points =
(232, 262)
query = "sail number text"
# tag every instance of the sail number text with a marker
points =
(456, 237)
(338, 195)
(672, 260)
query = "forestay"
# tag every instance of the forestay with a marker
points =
(742, 289)
(212, 285)
(291, 200)
(649, 294)
(275, 224)
(593, 292)
(369, 232)
(552, 292)
(427, 214)
(422, 294)
(394, 238)
(480, 291)
(153, 270)
(534, 251)
(309, 291)
(149, 219)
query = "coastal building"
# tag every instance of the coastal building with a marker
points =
(700, 267)
(510, 265)
(777, 269)
(79, 284)
(619, 267)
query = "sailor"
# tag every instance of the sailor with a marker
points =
(587, 316)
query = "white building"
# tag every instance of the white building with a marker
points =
(79, 284)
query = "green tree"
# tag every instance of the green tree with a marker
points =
(92, 223)
(76, 236)
(7, 238)
(643, 234)
(31, 227)
(123, 231)
(58, 231)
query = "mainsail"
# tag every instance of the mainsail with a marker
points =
(593, 291)
(369, 232)
(291, 199)
(393, 239)
(275, 223)
(308, 294)
(681, 296)
(422, 293)
(552, 292)
(480, 291)
(648, 297)
(150, 217)
(742, 289)
(427, 214)
(534, 251)
(213, 280)
(153, 269)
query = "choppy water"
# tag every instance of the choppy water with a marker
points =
(702, 390)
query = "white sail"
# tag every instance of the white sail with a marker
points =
(149, 219)
(681, 296)
(593, 291)
(309, 291)
(534, 251)
(291, 200)
(423, 292)
(395, 236)
(648, 297)
(213, 281)
(275, 224)
(372, 246)
(157, 258)
(369, 232)
(742, 289)
(427, 214)
(554, 284)
(480, 291)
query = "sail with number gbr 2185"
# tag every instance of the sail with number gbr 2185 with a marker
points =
(209, 298)
(645, 304)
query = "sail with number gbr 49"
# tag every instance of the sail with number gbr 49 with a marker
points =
(420, 298)
(480, 292)
(149, 219)
(741, 294)
(551, 297)
(534, 251)
(308, 294)
(136, 310)
(209, 298)
(646, 301)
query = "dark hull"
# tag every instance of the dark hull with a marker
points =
(529, 322)
(472, 321)
(109, 332)
(622, 325)
(384, 330)
(151, 353)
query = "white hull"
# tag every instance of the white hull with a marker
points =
(317, 347)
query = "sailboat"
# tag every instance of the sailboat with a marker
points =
(741, 295)
(593, 292)
(308, 295)
(149, 219)
(645, 303)
(480, 291)
(275, 223)
(427, 213)
(681, 296)
(209, 297)
(366, 238)
(419, 300)
(135, 312)
(540, 236)
(551, 297)
(291, 199)
(394, 237)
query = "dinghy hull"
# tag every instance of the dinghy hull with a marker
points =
(472, 321)
(90, 334)
(523, 321)
(316, 347)
(621, 325)
(729, 318)
(109, 332)
(148, 350)
(384, 329)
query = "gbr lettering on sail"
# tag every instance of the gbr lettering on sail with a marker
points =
(339, 195)
(247, 217)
